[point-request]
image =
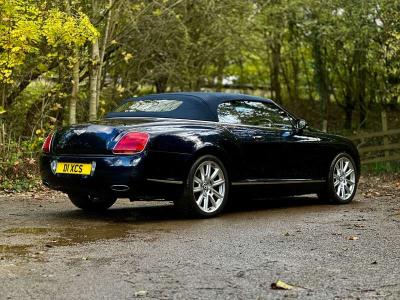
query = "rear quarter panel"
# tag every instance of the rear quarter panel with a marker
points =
(172, 151)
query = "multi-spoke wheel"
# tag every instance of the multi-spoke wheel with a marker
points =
(206, 188)
(209, 186)
(342, 180)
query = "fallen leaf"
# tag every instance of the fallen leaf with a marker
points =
(280, 285)
(140, 293)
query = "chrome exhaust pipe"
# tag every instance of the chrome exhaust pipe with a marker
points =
(120, 188)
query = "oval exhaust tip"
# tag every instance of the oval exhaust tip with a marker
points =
(120, 188)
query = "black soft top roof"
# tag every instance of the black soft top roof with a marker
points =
(195, 105)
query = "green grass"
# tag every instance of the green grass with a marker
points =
(381, 168)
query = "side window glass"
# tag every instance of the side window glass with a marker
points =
(254, 113)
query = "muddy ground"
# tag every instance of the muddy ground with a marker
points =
(50, 250)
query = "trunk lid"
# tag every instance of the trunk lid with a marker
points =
(85, 139)
(98, 137)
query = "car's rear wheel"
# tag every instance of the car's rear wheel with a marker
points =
(92, 203)
(342, 180)
(206, 188)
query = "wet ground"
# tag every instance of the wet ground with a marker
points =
(50, 250)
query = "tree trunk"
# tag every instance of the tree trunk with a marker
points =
(220, 72)
(361, 98)
(295, 66)
(321, 77)
(3, 95)
(94, 73)
(363, 113)
(275, 70)
(75, 88)
(161, 84)
(360, 57)
(348, 118)
(294, 55)
(348, 109)
(102, 50)
(287, 82)
(308, 80)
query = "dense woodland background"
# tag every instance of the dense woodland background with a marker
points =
(335, 63)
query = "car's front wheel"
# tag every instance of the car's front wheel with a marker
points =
(92, 203)
(206, 188)
(342, 180)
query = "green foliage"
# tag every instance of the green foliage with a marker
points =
(20, 33)
(333, 60)
(61, 29)
(27, 24)
(18, 166)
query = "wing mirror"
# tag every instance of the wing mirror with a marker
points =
(300, 124)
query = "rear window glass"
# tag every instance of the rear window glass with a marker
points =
(149, 106)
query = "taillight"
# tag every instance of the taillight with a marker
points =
(47, 143)
(131, 143)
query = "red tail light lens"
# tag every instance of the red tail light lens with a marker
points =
(47, 143)
(131, 143)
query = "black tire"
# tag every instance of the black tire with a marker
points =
(186, 203)
(92, 203)
(329, 194)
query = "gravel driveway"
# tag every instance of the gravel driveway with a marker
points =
(50, 250)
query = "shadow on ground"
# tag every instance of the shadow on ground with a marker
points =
(163, 211)
(144, 221)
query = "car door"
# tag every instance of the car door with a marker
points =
(262, 130)
(261, 152)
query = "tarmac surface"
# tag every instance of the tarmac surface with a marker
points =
(50, 250)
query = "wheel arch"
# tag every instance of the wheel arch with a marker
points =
(219, 153)
(353, 153)
(356, 158)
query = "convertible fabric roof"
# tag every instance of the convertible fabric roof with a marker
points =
(195, 105)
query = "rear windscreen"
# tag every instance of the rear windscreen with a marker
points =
(149, 106)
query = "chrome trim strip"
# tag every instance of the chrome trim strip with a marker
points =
(120, 188)
(198, 121)
(165, 181)
(282, 181)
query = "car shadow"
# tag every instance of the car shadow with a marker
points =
(143, 212)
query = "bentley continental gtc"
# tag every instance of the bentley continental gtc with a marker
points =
(198, 150)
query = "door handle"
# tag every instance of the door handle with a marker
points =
(257, 137)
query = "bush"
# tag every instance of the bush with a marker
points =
(19, 169)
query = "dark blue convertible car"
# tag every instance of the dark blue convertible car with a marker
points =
(198, 150)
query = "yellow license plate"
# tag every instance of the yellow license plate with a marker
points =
(73, 168)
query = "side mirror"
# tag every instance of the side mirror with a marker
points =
(300, 125)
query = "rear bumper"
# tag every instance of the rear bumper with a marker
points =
(120, 175)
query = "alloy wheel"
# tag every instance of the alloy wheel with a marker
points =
(209, 186)
(344, 178)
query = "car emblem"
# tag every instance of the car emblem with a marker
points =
(79, 131)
